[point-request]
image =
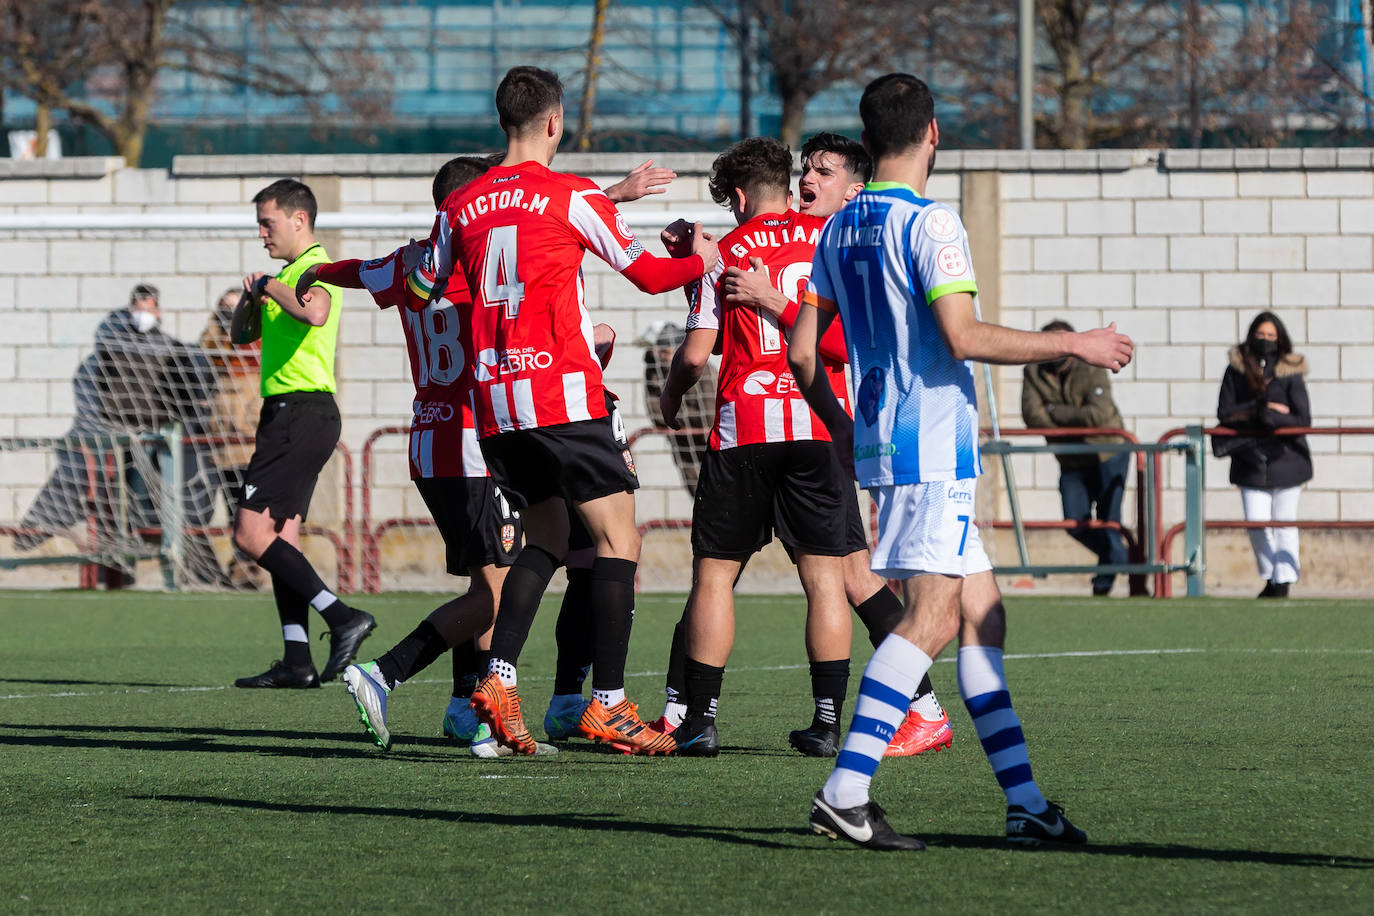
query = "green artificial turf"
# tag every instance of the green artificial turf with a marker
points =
(1218, 753)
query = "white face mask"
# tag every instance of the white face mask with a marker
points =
(144, 321)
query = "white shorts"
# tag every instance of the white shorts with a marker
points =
(928, 528)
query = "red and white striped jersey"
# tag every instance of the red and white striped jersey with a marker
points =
(757, 399)
(518, 233)
(443, 437)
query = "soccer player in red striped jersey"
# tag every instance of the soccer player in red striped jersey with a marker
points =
(771, 468)
(519, 234)
(834, 169)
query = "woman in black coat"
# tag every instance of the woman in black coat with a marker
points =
(1262, 391)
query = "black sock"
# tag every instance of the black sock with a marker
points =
(468, 668)
(290, 565)
(703, 688)
(292, 610)
(924, 688)
(676, 684)
(829, 682)
(613, 599)
(525, 584)
(574, 634)
(881, 612)
(413, 654)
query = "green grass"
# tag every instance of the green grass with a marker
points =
(1217, 752)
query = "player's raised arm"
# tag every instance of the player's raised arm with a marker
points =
(970, 338)
(642, 181)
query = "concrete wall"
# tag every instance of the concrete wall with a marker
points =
(1180, 248)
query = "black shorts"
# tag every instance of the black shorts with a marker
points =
(576, 461)
(296, 435)
(478, 525)
(855, 532)
(748, 493)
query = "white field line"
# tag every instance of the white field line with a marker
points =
(1093, 653)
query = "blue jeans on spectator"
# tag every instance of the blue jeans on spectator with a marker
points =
(1101, 486)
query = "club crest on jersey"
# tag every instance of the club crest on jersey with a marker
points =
(629, 461)
(941, 227)
(873, 394)
(623, 227)
(507, 537)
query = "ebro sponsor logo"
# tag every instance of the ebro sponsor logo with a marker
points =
(489, 365)
(958, 494)
(877, 450)
(433, 412)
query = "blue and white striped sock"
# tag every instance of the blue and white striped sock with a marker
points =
(889, 681)
(983, 685)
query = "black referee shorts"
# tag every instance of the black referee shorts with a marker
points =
(296, 435)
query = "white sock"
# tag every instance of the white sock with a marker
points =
(889, 681)
(609, 698)
(674, 713)
(927, 707)
(502, 669)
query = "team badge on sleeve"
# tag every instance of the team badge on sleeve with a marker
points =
(941, 226)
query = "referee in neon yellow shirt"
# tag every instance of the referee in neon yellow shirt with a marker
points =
(297, 431)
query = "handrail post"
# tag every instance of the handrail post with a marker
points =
(173, 475)
(1194, 536)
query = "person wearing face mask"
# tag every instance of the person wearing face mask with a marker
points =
(1068, 392)
(1263, 390)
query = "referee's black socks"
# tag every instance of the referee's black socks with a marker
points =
(289, 565)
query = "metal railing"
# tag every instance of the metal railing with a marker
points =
(1195, 516)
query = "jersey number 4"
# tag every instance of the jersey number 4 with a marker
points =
(500, 283)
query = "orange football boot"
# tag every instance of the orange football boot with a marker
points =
(621, 727)
(499, 707)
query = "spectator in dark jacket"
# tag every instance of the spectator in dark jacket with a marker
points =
(1262, 391)
(1067, 392)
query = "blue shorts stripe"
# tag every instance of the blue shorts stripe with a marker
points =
(859, 763)
(1014, 776)
(877, 728)
(879, 691)
(985, 703)
(1000, 741)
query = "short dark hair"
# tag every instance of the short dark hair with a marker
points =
(143, 291)
(292, 196)
(1058, 324)
(755, 164)
(455, 173)
(850, 151)
(526, 93)
(896, 110)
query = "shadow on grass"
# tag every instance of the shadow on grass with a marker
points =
(748, 836)
(75, 682)
(208, 740)
(761, 836)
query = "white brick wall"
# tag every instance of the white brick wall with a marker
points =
(1181, 256)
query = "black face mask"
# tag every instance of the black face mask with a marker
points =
(1264, 349)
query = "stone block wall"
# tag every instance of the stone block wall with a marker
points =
(1180, 248)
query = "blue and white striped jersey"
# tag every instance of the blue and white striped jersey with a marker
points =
(882, 260)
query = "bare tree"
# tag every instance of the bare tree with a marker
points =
(591, 75)
(809, 47)
(1134, 72)
(99, 60)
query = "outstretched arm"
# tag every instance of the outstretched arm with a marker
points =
(969, 338)
(642, 181)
